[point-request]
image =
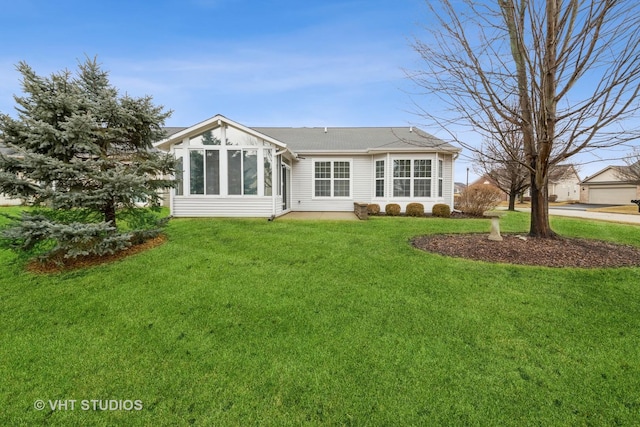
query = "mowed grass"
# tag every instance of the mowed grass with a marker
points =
(249, 322)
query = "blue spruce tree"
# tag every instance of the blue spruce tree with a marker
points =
(84, 160)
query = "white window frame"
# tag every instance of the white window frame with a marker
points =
(411, 159)
(383, 178)
(332, 179)
(440, 189)
(260, 147)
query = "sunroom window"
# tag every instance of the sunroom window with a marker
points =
(242, 168)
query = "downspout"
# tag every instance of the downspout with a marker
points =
(454, 157)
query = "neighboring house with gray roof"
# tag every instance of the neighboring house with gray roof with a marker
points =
(228, 169)
(609, 186)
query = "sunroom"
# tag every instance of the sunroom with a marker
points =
(228, 170)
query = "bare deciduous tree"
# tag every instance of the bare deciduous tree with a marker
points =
(572, 65)
(631, 172)
(503, 161)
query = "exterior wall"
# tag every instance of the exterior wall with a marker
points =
(251, 207)
(302, 191)
(566, 189)
(363, 182)
(224, 202)
(5, 201)
(608, 175)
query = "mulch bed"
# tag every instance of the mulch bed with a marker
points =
(58, 266)
(520, 249)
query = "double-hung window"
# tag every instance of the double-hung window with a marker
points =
(332, 178)
(402, 178)
(412, 178)
(379, 178)
(422, 178)
(440, 177)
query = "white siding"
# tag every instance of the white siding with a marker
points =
(566, 189)
(363, 183)
(252, 207)
(607, 175)
(302, 191)
(5, 201)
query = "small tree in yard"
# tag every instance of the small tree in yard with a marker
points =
(502, 159)
(84, 157)
(478, 198)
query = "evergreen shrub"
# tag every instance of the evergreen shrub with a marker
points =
(373, 209)
(415, 209)
(392, 209)
(441, 210)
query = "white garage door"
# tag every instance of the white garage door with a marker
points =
(612, 195)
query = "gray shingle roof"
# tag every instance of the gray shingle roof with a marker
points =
(355, 139)
(172, 130)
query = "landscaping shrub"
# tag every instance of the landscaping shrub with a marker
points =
(373, 209)
(392, 209)
(415, 209)
(441, 210)
(479, 198)
(553, 197)
(456, 201)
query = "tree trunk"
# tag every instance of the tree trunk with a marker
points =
(110, 213)
(540, 226)
(512, 200)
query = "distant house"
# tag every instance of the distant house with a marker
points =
(564, 183)
(487, 180)
(228, 169)
(458, 187)
(4, 200)
(609, 187)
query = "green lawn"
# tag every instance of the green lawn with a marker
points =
(250, 322)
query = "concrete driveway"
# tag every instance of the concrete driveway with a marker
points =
(579, 206)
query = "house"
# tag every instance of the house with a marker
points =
(458, 187)
(227, 169)
(5, 200)
(564, 183)
(485, 179)
(609, 186)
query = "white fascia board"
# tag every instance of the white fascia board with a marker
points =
(416, 149)
(218, 120)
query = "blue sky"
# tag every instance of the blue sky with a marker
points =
(261, 63)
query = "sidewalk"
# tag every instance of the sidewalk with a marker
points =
(601, 216)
